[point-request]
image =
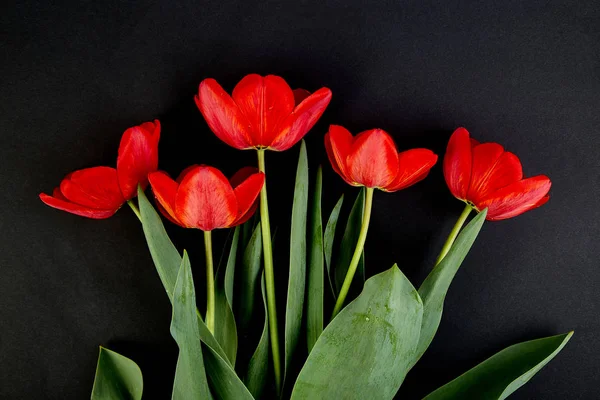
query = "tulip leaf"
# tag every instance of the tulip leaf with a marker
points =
(328, 239)
(297, 272)
(434, 288)
(117, 377)
(221, 376)
(500, 375)
(348, 246)
(249, 280)
(366, 351)
(190, 376)
(225, 328)
(315, 281)
(258, 367)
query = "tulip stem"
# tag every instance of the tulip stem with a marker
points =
(210, 283)
(452, 237)
(269, 276)
(360, 244)
(135, 209)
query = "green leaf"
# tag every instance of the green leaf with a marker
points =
(225, 328)
(366, 351)
(329, 237)
(258, 368)
(297, 273)
(434, 288)
(500, 375)
(249, 280)
(348, 246)
(316, 284)
(190, 376)
(117, 377)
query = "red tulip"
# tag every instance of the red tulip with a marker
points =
(203, 198)
(371, 159)
(99, 192)
(486, 176)
(263, 112)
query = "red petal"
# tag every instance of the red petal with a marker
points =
(206, 200)
(483, 159)
(457, 163)
(165, 191)
(506, 170)
(301, 120)
(185, 171)
(138, 156)
(300, 95)
(413, 166)
(76, 209)
(247, 195)
(240, 176)
(266, 103)
(96, 187)
(338, 143)
(516, 198)
(222, 115)
(58, 194)
(373, 159)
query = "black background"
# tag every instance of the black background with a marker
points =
(76, 75)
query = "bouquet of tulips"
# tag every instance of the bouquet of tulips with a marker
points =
(342, 336)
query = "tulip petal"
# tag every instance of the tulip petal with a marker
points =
(138, 156)
(185, 171)
(483, 159)
(96, 187)
(373, 159)
(338, 143)
(241, 175)
(516, 198)
(413, 166)
(300, 95)
(457, 163)
(301, 120)
(266, 103)
(205, 200)
(247, 193)
(63, 205)
(222, 115)
(506, 170)
(165, 191)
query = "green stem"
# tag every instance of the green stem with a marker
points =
(269, 276)
(362, 237)
(135, 209)
(210, 283)
(461, 220)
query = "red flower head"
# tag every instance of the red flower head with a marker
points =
(263, 112)
(203, 198)
(486, 176)
(99, 192)
(371, 159)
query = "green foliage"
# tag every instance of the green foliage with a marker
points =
(117, 377)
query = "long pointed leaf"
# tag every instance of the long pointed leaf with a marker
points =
(366, 351)
(258, 367)
(329, 238)
(297, 275)
(503, 373)
(249, 281)
(117, 377)
(348, 245)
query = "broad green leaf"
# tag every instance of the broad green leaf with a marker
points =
(249, 277)
(258, 368)
(225, 328)
(190, 376)
(434, 288)
(316, 283)
(223, 380)
(366, 351)
(297, 273)
(117, 377)
(348, 246)
(328, 239)
(500, 375)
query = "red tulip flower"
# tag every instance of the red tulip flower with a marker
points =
(99, 192)
(486, 176)
(203, 198)
(371, 159)
(261, 113)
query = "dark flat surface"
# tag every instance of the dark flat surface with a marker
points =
(75, 76)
